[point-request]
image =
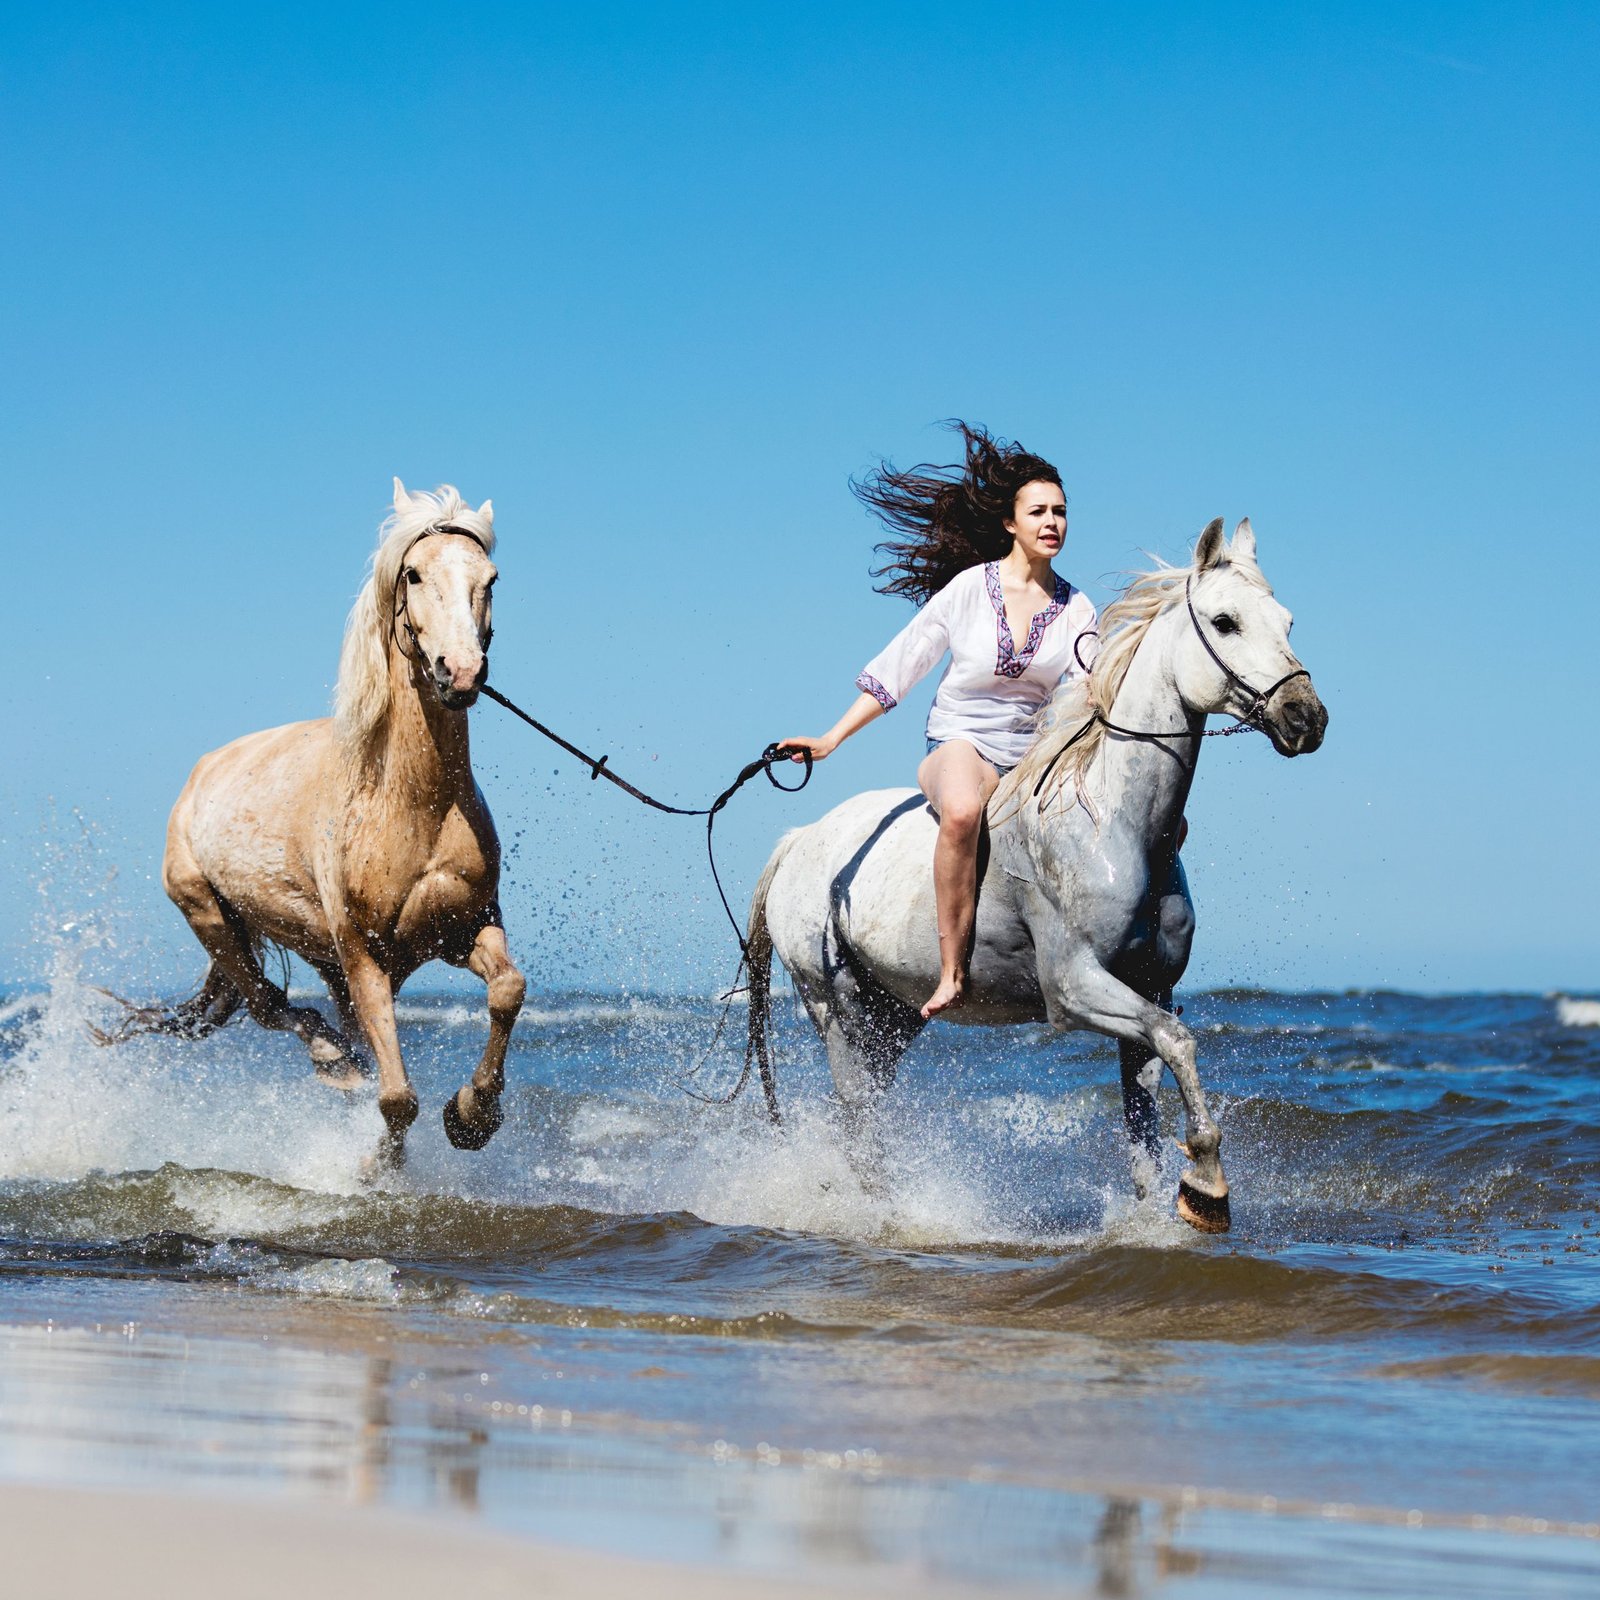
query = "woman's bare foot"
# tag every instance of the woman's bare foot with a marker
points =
(945, 998)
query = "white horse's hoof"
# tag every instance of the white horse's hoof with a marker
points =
(1207, 1212)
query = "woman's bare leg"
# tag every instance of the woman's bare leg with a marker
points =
(958, 783)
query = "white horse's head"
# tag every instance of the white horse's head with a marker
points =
(1234, 655)
(427, 595)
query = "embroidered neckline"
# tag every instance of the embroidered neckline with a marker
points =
(1009, 661)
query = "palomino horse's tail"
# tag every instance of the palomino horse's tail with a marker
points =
(758, 958)
(208, 1009)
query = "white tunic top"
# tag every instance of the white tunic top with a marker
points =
(991, 690)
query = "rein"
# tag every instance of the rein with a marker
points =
(763, 763)
(1249, 722)
(598, 768)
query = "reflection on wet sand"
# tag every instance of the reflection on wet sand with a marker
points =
(424, 1425)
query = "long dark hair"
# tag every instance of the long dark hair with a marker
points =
(953, 517)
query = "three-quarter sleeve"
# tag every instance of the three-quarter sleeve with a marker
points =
(910, 656)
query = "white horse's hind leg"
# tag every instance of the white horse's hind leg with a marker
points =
(472, 1116)
(1095, 999)
(1139, 1112)
(865, 1031)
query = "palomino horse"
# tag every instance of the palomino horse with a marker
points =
(361, 842)
(1084, 916)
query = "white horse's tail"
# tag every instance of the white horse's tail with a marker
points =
(758, 960)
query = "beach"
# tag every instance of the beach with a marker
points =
(642, 1329)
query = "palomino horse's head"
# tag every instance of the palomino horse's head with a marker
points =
(443, 598)
(1235, 655)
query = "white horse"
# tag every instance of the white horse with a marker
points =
(361, 842)
(1084, 916)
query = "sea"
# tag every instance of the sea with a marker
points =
(646, 1320)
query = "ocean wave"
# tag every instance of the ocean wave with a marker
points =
(1577, 1013)
(680, 1274)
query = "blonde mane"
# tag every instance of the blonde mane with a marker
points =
(361, 696)
(1123, 626)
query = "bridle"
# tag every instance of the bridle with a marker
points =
(1258, 705)
(1251, 721)
(402, 594)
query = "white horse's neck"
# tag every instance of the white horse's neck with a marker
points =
(427, 757)
(1143, 784)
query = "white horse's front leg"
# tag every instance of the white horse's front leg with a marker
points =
(1091, 997)
(472, 1116)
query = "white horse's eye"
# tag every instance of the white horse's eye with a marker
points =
(1225, 624)
(412, 575)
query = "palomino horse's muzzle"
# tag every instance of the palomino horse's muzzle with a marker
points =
(453, 698)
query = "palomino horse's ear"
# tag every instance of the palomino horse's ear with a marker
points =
(1242, 547)
(1208, 552)
(486, 511)
(402, 496)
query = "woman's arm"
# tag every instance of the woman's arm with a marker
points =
(863, 709)
(902, 663)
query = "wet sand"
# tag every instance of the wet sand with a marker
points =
(71, 1543)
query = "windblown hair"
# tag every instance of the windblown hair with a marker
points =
(361, 697)
(953, 517)
(1081, 700)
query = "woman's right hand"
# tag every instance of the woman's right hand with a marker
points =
(820, 749)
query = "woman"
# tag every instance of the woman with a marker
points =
(979, 540)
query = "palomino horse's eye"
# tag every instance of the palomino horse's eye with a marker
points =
(412, 575)
(1224, 624)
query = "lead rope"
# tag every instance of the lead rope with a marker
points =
(763, 763)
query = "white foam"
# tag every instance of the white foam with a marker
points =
(373, 1280)
(244, 1101)
(241, 1101)
(1573, 1013)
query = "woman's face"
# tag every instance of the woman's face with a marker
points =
(1038, 520)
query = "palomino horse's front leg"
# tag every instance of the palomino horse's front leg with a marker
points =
(472, 1116)
(372, 997)
(1099, 1001)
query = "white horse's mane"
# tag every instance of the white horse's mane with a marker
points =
(1123, 626)
(361, 697)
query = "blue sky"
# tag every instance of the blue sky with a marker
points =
(659, 279)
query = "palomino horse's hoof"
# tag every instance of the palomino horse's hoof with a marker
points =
(1207, 1212)
(467, 1136)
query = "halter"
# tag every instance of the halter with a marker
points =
(1250, 722)
(402, 591)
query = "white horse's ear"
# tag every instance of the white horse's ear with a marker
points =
(1243, 544)
(402, 496)
(486, 511)
(1208, 552)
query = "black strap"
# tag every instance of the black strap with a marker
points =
(1250, 722)
(765, 762)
